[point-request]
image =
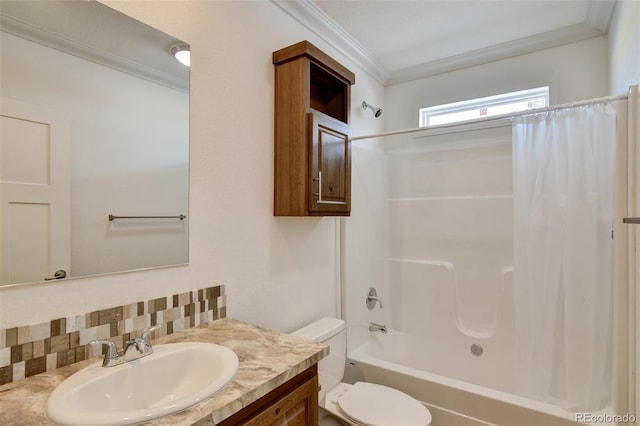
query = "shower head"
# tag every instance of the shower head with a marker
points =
(377, 112)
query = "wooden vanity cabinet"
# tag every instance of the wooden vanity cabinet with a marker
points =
(312, 133)
(294, 403)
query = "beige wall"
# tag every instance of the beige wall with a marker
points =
(624, 46)
(279, 272)
(574, 72)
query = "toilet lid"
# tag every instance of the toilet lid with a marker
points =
(377, 405)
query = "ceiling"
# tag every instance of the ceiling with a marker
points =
(392, 40)
(98, 33)
(402, 40)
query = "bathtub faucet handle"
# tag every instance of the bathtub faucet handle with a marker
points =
(372, 298)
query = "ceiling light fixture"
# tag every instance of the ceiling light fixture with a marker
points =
(182, 53)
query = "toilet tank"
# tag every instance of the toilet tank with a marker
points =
(332, 332)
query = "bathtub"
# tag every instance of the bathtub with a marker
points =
(402, 362)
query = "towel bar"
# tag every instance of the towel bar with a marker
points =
(112, 217)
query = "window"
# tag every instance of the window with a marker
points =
(475, 109)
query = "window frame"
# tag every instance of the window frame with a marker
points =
(428, 115)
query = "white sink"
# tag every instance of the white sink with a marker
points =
(173, 377)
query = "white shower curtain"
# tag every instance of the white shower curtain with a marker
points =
(563, 195)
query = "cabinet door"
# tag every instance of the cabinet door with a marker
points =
(299, 407)
(293, 403)
(329, 165)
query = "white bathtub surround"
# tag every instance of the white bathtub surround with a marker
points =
(563, 188)
(450, 292)
(450, 231)
(405, 363)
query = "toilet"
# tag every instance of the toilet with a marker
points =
(360, 404)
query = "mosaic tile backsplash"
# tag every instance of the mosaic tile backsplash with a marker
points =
(36, 348)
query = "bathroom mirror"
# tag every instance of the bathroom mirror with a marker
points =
(94, 149)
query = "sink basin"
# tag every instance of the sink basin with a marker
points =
(173, 377)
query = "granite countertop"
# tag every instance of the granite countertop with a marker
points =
(267, 359)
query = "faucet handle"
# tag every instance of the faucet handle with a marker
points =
(112, 350)
(372, 299)
(146, 333)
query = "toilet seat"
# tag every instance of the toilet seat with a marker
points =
(370, 404)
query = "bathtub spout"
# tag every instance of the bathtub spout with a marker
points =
(377, 327)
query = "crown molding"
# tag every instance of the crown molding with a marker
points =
(498, 52)
(318, 22)
(35, 34)
(597, 23)
(312, 17)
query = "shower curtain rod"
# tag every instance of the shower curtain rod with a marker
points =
(510, 116)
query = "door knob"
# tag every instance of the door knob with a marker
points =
(59, 274)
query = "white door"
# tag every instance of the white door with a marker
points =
(34, 192)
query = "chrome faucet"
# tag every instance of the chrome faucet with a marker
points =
(133, 349)
(378, 327)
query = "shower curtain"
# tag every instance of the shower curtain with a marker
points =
(563, 195)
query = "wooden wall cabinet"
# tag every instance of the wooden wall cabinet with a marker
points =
(294, 403)
(312, 133)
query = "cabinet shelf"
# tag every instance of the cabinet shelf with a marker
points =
(312, 133)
